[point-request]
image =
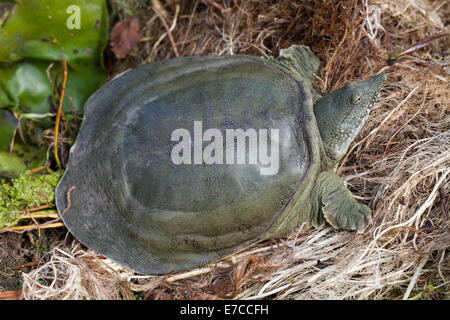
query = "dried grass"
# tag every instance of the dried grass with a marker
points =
(73, 273)
(399, 164)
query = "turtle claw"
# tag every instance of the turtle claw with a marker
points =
(365, 213)
(349, 215)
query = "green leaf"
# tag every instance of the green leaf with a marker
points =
(37, 29)
(34, 34)
(25, 87)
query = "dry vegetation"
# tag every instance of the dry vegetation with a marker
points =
(399, 164)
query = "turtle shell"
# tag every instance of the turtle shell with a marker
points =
(123, 196)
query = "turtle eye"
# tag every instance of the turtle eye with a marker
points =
(356, 98)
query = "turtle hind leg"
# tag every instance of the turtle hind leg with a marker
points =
(338, 205)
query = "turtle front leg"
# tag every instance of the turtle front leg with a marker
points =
(338, 205)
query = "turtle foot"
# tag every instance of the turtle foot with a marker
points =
(338, 205)
(350, 216)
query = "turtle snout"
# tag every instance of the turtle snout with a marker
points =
(381, 76)
(373, 87)
(379, 80)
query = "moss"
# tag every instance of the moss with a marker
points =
(25, 192)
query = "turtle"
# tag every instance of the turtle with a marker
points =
(182, 162)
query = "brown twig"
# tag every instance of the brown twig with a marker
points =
(47, 71)
(423, 43)
(17, 129)
(39, 215)
(36, 209)
(241, 271)
(409, 228)
(325, 69)
(10, 295)
(213, 13)
(56, 83)
(58, 114)
(29, 264)
(214, 4)
(290, 26)
(11, 144)
(443, 202)
(35, 226)
(169, 33)
(20, 130)
(36, 170)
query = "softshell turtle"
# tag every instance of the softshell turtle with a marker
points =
(181, 162)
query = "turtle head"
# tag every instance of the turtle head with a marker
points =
(342, 113)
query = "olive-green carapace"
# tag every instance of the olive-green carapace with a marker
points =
(181, 162)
